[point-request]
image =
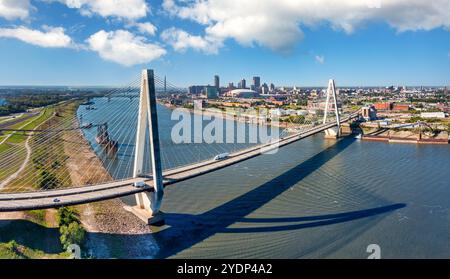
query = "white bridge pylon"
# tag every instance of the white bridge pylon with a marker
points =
(148, 203)
(331, 90)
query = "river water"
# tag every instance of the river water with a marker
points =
(315, 198)
(120, 114)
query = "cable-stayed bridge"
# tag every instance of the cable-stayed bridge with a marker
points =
(127, 138)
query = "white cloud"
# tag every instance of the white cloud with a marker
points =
(180, 40)
(49, 37)
(277, 24)
(129, 9)
(146, 28)
(13, 9)
(320, 59)
(124, 47)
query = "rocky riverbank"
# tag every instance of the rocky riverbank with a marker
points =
(100, 219)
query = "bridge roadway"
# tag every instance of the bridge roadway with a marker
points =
(86, 194)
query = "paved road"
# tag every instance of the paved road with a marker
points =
(87, 194)
(28, 115)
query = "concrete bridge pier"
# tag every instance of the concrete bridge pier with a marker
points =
(332, 133)
(148, 204)
(344, 130)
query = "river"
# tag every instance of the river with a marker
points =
(315, 198)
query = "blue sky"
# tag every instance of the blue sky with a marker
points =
(88, 42)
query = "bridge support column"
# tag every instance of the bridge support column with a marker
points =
(331, 90)
(148, 203)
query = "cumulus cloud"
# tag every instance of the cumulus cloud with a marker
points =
(180, 40)
(124, 47)
(320, 59)
(128, 9)
(277, 24)
(146, 28)
(49, 37)
(14, 9)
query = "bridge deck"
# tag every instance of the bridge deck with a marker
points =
(120, 188)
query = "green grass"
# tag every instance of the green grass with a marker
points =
(37, 216)
(4, 147)
(12, 167)
(13, 250)
(52, 156)
(19, 137)
(16, 141)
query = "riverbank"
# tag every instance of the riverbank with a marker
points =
(101, 219)
(390, 136)
(81, 166)
(246, 119)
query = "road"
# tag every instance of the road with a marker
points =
(17, 119)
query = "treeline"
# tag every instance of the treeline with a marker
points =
(9, 109)
(19, 100)
(22, 103)
(34, 101)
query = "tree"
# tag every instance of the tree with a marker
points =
(47, 180)
(70, 229)
(66, 216)
(73, 233)
(297, 119)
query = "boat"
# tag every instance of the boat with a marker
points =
(102, 134)
(90, 108)
(86, 126)
(103, 138)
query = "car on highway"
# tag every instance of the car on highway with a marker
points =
(139, 184)
(221, 156)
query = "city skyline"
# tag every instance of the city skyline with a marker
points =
(91, 43)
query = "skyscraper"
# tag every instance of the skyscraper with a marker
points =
(264, 88)
(211, 92)
(272, 87)
(242, 84)
(217, 81)
(256, 82)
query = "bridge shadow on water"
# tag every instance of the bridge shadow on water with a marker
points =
(186, 230)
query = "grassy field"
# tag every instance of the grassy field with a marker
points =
(15, 144)
(49, 157)
(41, 118)
(41, 231)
